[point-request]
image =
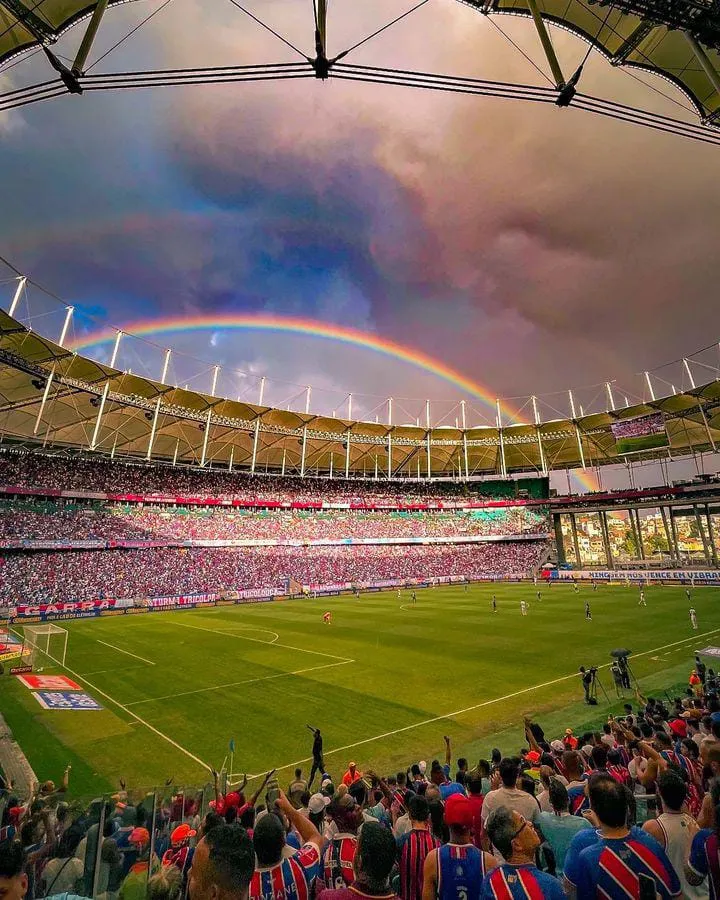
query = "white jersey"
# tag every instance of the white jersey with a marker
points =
(679, 830)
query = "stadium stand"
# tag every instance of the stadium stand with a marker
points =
(560, 817)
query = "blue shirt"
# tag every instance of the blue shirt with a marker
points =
(452, 787)
(612, 868)
(508, 882)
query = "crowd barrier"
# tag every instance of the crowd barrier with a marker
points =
(684, 576)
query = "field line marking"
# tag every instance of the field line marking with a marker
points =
(242, 637)
(459, 712)
(135, 716)
(230, 684)
(127, 652)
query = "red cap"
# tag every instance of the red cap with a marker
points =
(458, 811)
(532, 756)
(679, 728)
(139, 836)
(182, 833)
(232, 799)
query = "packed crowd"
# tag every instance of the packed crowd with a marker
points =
(52, 473)
(558, 820)
(108, 522)
(43, 577)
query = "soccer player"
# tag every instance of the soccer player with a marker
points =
(494, 604)
(594, 584)
(456, 870)
(539, 598)
(693, 618)
(414, 597)
(687, 594)
(327, 618)
(523, 607)
(399, 595)
(575, 587)
(588, 614)
(641, 601)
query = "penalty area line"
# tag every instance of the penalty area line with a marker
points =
(135, 716)
(230, 684)
(467, 709)
(126, 652)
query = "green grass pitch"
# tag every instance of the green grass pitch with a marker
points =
(384, 682)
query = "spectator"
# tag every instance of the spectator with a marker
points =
(517, 877)
(275, 873)
(296, 789)
(674, 830)
(703, 861)
(340, 851)
(620, 853)
(165, 884)
(223, 864)
(476, 798)
(414, 846)
(455, 870)
(352, 775)
(13, 881)
(559, 827)
(374, 861)
(508, 795)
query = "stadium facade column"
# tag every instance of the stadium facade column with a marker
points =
(46, 393)
(576, 542)
(206, 438)
(543, 465)
(669, 534)
(704, 61)
(635, 519)
(547, 44)
(255, 445)
(711, 536)
(559, 540)
(101, 410)
(703, 536)
(606, 539)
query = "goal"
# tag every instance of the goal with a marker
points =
(46, 640)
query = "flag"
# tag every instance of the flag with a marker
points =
(232, 745)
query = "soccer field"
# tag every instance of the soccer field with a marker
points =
(385, 681)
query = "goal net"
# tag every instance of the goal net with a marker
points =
(46, 641)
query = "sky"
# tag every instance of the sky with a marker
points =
(531, 250)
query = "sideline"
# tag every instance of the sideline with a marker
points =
(459, 712)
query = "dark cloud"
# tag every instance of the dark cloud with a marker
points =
(531, 248)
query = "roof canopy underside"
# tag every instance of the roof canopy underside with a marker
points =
(647, 34)
(52, 397)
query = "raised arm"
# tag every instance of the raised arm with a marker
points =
(304, 827)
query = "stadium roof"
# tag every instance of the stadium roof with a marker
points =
(678, 40)
(64, 402)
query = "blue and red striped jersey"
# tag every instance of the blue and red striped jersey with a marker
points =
(338, 861)
(705, 859)
(611, 869)
(414, 847)
(290, 879)
(508, 882)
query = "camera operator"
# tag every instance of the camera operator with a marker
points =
(588, 676)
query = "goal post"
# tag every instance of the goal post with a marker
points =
(46, 639)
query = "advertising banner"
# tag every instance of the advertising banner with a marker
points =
(706, 576)
(48, 683)
(66, 700)
(44, 612)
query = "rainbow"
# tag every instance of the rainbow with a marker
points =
(291, 325)
(313, 328)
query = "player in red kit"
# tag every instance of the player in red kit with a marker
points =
(327, 618)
